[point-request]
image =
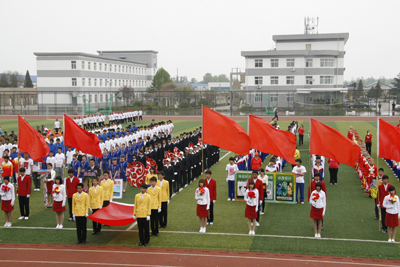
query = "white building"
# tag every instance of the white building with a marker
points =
(302, 67)
(62, 78)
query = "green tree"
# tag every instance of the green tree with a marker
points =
(3, 81)
(207, 78)
(162, 76)
(127, 94)
(13, 80)
(395, 90)
(193, 80)
(28, 82)
(375, 92)
(184, 93)
(222, 78)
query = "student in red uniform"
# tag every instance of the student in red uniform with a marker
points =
(318, 208)
(333, 171)
(211, 184)
(350, 133)
(59, 201)
(383, 191)
(301, 134)
(71, 182)
(24, 192)
(392, 205)
(368, 142)
(202, 195)
(7, 200)
(259, 187)
(256, 162)
(252, 203)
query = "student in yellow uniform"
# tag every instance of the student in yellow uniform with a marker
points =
(96, 202)
(155, 193)
(142, 212)
(152, 173)
(164, 185)
(108, 188)
(80, 206)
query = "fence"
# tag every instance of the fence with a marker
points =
(227, 102)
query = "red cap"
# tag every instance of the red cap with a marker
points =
(74, 117)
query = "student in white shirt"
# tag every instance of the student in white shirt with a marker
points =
(56, 125)
(251, 197)
(59, 196)
(202, 196)
(27, 163)
(264, 179)
(299, 170)
(392, 205)
(231, 170)
(7, 194)
(70, 154)
(318, 208)
(60, 162)
(49, 181)
(51, 159)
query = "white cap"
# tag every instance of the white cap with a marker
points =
(191, 148)
(181, 152)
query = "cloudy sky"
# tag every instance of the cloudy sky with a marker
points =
(196, 36)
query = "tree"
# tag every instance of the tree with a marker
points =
(222, 78)
(13, 80)
(161, 77)
(375, 92)
(395, 90)
(184, 93)
(193, 80)
(3, 81)
(209, 78)
(28, 82)
(127, 94)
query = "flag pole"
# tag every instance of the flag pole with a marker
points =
(309, 152)
(65, 153)
(247, 162)
(19, 135)
(376, 182)
(202, 142)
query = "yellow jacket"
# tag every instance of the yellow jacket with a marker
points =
(108, 189)
(155, 197)
(80, 205)
(96, 198)
(297, 154)
(148, 176)
(142, 207)
(164, 190)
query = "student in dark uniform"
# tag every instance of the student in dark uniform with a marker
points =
(169, 175)
(176, 182)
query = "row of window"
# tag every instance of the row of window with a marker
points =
(274, 97)
(290, 80)
(110, 83)
(110, 67)
(274, 62)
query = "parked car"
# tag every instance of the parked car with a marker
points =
(358, 105)
(372, 103)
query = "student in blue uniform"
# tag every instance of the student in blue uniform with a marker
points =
(122, 170)
(114, 169)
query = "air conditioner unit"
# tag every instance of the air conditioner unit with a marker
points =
(293, 69)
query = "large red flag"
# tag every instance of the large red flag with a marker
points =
(75, 136)
(115, 214)
(221, 131)
(331, 143)
(30, 141)
(267, 139)
(388, 140)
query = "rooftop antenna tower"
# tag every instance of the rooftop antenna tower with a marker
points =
(311, 25)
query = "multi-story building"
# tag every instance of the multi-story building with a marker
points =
(306, 68)
(65, 79)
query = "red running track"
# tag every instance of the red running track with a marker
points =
(85, 255)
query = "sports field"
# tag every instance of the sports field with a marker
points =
(349, 226)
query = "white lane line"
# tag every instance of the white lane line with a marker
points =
(130, 227)
(79, 263)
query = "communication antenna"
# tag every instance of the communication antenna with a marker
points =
(311, 25)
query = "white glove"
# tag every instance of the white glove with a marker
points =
(159, 209)
(63, 205)
(110, 199)
(27, 196)
(148, 217)
(226, 179)
(101, 207)
(256, 208)
(260, 202)
(12, 204)
(378, 206)
(214, 201)
(73, 216)
(134, 217)
(86, 215)
(168, 202)
(208, 207)
(90, 209)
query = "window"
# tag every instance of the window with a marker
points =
(274, 80)
(258, 99)
(101, 82)
(273, 97)
(95, 98)
(123, 68)
(309, 80)
(106, 97)
(94, 66)
(326, 62)
(289, 79)
(73, 81)
(99, 66)
(289, 97)
(115, 68)
(308, 46)
(95, 82)
(89, 82)
(90, 98)
(258, 80)
(83, 65)
(88, 65)
(119, 83)
(326, 79)
(101, 98)
(309, 63)
(83, 81)
(105, 67)
(73, 65)
(274, 63)
(290, 62)
(119, 68)
(308, 98)
(110, 67)
(258, 63)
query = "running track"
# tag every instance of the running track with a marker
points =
(85, 255)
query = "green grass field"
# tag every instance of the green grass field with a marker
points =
(348, 225)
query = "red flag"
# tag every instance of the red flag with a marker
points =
(30, 141)
(267, 139)
(331, 143)
(115, 214)
(388, 141)
(75, 136)
(221, 131)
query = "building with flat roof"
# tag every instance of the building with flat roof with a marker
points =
(67, 78)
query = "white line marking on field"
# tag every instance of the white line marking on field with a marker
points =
(188, 254)
(209, 233)
(131, 227)
(78, 263)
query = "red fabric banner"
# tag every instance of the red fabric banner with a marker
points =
(331, 143)
(267, 139)
(221, 131)
(115, 214)
(389, 141)
(30, 141)
(136, 173)
(75, 136)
